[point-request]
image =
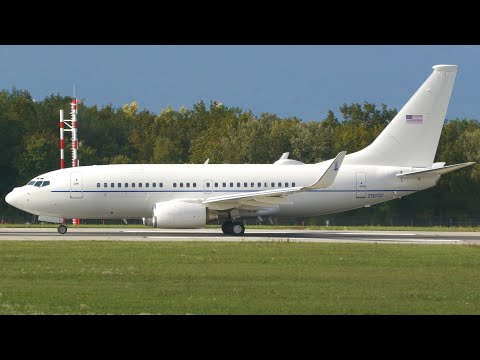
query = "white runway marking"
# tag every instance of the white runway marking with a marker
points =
(373, 233)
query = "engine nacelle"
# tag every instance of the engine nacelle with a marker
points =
(181, 215)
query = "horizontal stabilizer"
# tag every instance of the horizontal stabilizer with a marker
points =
(434, 171)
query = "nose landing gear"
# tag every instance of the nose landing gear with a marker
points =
(62, 229)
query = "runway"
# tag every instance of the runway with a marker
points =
(335, 236)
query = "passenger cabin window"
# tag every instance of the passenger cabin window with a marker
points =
(188, 185)
(174, 185)
(224, 184)
(216, 185)
(154, 184)
(133, 185)
(238, 184)
(194, 184)
(112, 185)
(140, 185)
(105, 185)
(252, 184)
(126, 185)
(259, 184)
(286, 184)
(293, 184)
(231, 184)
(245, 184)
(208, 184)
(161, 184)
(273, 184)
(181, 185)
(279, 184)
(98, 185)
(119, 185)
(147, 184)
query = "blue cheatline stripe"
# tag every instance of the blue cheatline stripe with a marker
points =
(214, 191)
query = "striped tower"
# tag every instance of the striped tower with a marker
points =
(73, 112)
(62, 153)
(71, 126)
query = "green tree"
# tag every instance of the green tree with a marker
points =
(166, 151)
(120, 159)
(367, 114)
(40, 155)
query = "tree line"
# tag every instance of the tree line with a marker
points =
(29, 143)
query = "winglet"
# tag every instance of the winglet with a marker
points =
(328, 177)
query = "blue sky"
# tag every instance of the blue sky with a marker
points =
(302, 81)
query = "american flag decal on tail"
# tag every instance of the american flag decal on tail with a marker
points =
(414, 119)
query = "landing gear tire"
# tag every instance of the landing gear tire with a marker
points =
(225, 226)
(237, 228)
(62, 229)
(233, 228)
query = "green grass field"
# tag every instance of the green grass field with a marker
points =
(90, 277)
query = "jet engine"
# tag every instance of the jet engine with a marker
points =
(181, 215)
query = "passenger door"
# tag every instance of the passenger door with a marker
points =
(361, 185)
(76, 186)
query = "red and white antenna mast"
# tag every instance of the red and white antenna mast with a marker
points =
(71, 126)
(62, 144)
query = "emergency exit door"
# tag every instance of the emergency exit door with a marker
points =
(207, 186)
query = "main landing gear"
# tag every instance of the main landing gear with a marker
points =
(62, 229)
(233, 228)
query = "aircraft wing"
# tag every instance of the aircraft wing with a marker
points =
(274, 197)
(436, 171)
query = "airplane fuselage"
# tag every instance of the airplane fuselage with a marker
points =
(131, 191)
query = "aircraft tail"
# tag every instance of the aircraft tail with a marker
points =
(411, 138)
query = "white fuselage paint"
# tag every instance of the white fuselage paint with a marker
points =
(73, 192)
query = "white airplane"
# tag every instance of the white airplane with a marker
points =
(398, 163)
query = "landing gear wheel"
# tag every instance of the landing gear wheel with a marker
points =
(237, 228)
(62, 229)
(225, 227)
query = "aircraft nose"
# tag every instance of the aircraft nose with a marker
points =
(14, 198)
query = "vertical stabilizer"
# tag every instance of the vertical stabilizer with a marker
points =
(411, 138)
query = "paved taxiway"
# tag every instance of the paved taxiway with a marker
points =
(119, 234)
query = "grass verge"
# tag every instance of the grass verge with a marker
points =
(237, 278)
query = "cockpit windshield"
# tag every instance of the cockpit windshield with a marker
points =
(39, 182)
